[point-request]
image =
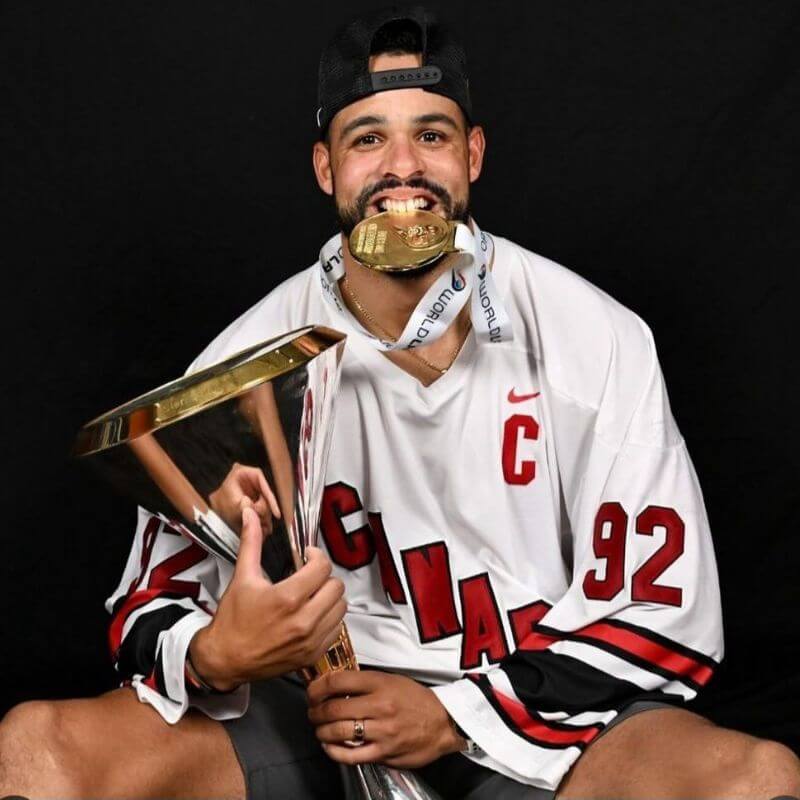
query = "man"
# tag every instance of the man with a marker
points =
(509, 508)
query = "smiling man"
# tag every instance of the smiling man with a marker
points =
(509, 509)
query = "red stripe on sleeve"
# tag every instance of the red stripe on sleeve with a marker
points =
(136, 600)
(638, 645)
(537, 641)
(538, 729)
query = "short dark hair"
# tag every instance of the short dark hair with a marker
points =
(397, 37)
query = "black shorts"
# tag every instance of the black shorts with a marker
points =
(281, 757)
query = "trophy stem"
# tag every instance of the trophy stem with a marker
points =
(367, 781)
(340, 656)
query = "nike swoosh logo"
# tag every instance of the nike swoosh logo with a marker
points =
(521, 398)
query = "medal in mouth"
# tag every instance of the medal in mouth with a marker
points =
(402, 241)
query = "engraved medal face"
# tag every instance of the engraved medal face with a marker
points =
(392, 242)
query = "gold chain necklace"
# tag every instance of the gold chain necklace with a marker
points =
(368, 316)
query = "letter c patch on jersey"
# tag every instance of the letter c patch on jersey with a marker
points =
(516, 471)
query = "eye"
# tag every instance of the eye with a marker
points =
(432, 137)
(366, 140)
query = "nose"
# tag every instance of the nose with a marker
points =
(402, 160)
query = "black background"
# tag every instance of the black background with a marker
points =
(156, 162)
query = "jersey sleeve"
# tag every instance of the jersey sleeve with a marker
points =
(169, 590)
(641, 618)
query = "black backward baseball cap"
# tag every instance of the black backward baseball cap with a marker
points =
(344, 75)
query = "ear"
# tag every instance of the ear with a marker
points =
(476, 146)
(321, 157)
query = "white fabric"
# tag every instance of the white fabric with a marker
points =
(580, 392)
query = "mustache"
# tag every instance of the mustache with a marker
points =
(368, 192)
(350, 214)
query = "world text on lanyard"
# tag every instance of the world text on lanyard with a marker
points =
(469, 278)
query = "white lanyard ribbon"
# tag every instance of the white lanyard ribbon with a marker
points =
(469, 277)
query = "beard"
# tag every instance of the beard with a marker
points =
(351, 214)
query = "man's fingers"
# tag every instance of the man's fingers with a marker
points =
(248, 561)
(332, 619)
(333, 635)
(324, 599)
(342, 711)
(315, 554)
(309, 578)
(351, 682)
(341, 731)
(251, 481)
(328, 630)
(367, 753)
(264, 514)
(267, 492)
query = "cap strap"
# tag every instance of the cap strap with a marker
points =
(404, 78)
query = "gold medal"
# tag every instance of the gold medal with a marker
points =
(401, 242)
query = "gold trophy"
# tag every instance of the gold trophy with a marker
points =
(187, 450)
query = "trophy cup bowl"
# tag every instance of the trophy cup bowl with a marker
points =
(186, 450)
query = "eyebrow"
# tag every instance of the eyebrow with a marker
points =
(360, 122)
(371, 119)
(428, 119)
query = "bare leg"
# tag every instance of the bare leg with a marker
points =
(672, 753)
(113, 746)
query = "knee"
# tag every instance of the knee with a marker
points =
(36, 752)
(765, 769)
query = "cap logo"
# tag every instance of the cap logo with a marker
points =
(404, 78)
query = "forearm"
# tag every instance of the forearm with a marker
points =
(167, 594)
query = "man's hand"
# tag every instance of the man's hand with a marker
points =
(262, 629)
(405, 725)
(244, 485)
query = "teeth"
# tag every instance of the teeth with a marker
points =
(402, 206)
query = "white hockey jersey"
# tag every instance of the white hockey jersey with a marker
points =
(527, 533)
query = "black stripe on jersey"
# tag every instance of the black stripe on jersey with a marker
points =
(486, 688)
(626, 655)
(548, 681)
(137, 653)
(676, 647)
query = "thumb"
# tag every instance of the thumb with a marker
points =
(248, 562)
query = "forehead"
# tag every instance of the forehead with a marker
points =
(399, 107)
